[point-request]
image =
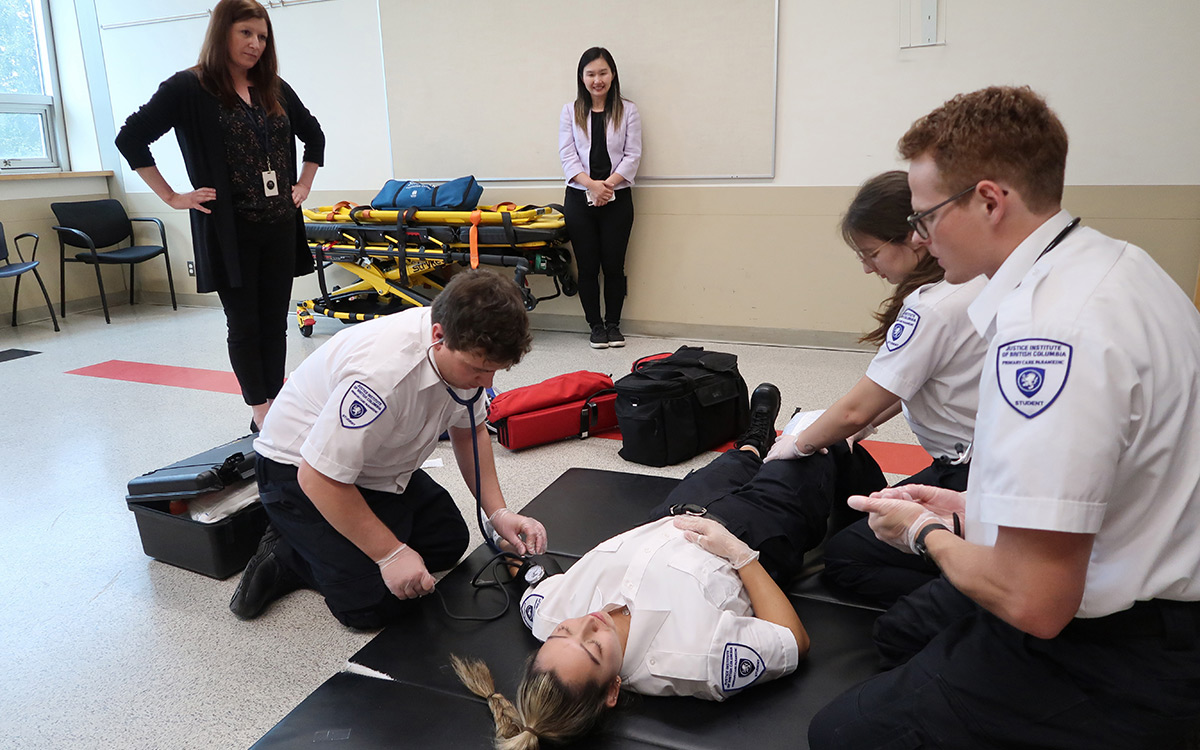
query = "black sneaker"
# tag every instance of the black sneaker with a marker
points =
(615, 339)
(599, 338)
(764, 408)
(264, 580)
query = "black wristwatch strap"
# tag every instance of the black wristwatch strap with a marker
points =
(919, 542)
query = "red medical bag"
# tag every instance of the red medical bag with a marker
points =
(572, 405)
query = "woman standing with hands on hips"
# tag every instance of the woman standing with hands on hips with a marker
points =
(600, 144)
(237, 122)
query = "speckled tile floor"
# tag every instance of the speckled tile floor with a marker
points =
(104, 647)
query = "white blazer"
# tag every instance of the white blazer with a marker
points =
(624, 145)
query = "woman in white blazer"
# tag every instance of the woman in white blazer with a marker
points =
(600, 144)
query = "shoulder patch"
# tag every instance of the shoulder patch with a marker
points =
(360, 406)
(1032, 373)
(903, 329)
(529, 608)
(740, 667)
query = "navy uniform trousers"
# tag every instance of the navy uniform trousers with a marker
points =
(424, 517)
(967, 679)
(780, 508)
(857, 562)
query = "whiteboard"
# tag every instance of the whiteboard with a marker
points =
(477, 87)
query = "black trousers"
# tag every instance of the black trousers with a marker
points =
(599, 237)
(856, 561)
(779, 508)
(424, 517)
(256, 312)
(969, 680)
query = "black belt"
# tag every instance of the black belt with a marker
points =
(692, 509)
(1178, 623)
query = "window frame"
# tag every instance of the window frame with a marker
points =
(47, 107)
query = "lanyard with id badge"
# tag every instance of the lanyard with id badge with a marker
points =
(262, 128)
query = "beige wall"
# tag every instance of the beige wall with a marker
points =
(747, 263)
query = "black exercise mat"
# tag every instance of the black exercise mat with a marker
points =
(581, 508)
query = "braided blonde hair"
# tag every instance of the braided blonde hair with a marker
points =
(546, 707)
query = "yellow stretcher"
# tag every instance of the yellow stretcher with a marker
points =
(403, 258)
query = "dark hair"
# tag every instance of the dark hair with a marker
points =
(614, 108)
(483, 312)
(547, 709)
(998, 133)
(213, 65)
(880, 210)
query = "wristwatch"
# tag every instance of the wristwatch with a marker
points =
(919, 542)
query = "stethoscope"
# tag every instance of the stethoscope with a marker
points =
(469, 403)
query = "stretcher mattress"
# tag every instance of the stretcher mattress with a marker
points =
(581, 508)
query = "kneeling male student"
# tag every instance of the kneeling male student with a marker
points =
(352, 514)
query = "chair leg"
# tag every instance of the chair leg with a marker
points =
(62, 283)
(16, 292)
(49, 304)
(103, 299)
(170, 281)
(131, 267)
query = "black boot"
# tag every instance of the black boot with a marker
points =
(264, 580)
(764, 408)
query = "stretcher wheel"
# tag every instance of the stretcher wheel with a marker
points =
(307, 329)
(527, 296)
(569, 286)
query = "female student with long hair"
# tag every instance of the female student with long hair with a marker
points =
(928, 365)
(237, 122)
(600, 145)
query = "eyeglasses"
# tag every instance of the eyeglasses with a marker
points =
(917, 220)
(868, 256)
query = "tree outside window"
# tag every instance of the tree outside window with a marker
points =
(29, 133)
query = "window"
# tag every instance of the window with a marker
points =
(31, 130)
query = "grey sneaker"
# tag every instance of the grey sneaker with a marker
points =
(599, 339)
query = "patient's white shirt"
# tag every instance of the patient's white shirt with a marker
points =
(692, 629)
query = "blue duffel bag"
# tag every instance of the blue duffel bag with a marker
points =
(461, 194)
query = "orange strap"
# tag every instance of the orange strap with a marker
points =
(332, 215)
(476, 216)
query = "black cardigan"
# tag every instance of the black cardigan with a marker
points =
(183, 104)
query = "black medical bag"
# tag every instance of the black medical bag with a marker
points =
(217, 549)
(672, 408)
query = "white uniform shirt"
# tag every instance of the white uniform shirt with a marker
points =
(931, 360)
(692, 630)
(1089, 418)
(367, 407)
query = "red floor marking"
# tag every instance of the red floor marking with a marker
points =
(893, 458)
(179, 377)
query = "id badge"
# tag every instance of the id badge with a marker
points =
(270, 185)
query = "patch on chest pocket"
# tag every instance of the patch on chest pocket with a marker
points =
(740, 666)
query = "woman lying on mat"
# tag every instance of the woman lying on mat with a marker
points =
(928, 364)
(686, 605)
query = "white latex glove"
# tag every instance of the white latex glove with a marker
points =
(895, 520)
(785, 448)
(525, 534)
(861, 435)
(405, 574)
(712, 537)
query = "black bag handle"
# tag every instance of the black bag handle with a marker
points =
(589, 414)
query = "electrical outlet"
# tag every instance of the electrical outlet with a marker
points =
(191, 268)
